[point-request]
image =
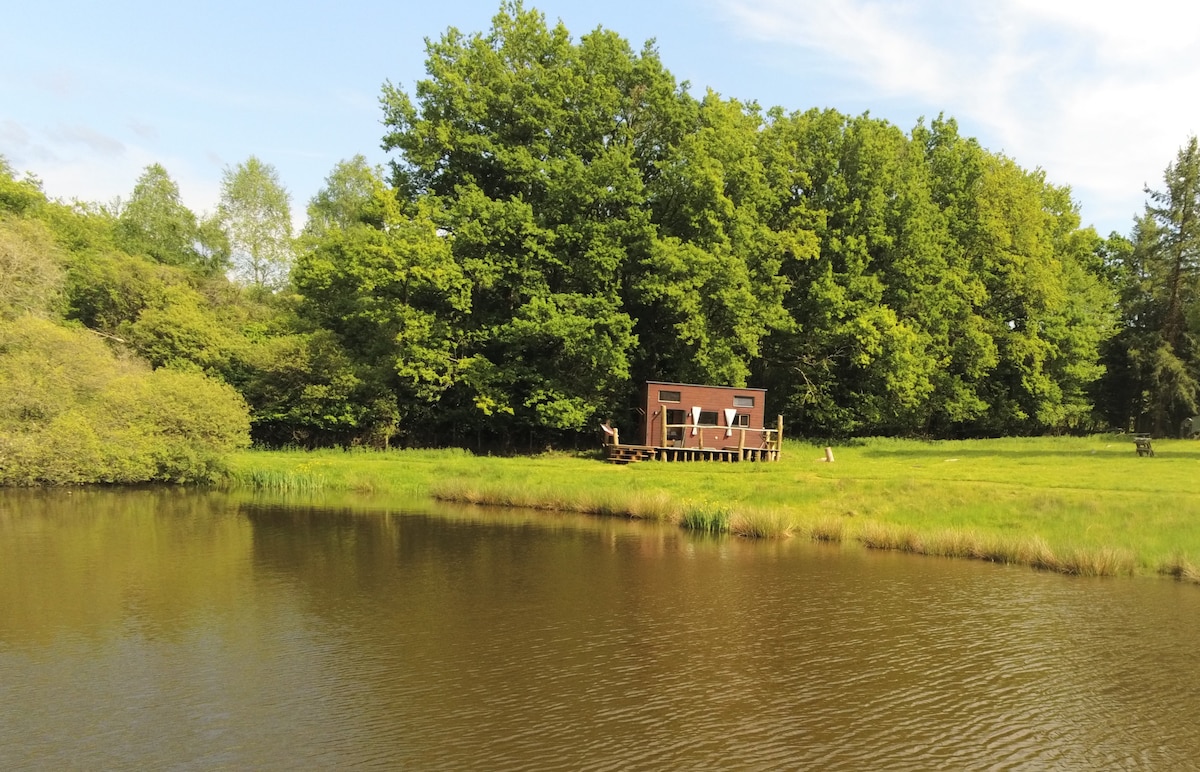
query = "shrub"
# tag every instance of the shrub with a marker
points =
(72, 412)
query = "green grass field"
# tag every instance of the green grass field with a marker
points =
(1086, 506)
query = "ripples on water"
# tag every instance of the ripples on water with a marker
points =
(204, 632)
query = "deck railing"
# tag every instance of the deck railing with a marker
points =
(768, 446)
(772, 439)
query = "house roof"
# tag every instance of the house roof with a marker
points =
(704, 386)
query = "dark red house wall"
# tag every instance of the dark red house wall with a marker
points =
(707, 398)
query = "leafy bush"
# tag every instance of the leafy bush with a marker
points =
(30, 275)
(71, 411)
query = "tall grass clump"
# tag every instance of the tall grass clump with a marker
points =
(1037, 553)
(1181, 568)
(653, 506)
(1019, 550)
(762, 524)
(884, 536)
(466, 492)
(954, 543)
(706, 517)
(828, 529)
(279, 480)
(1105, 561)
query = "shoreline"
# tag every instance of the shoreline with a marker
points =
(1077, 506)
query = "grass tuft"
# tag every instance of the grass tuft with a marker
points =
(953, 543)
(1181, 568)
(882, 536)
(279, 481)
(828, 529)
(706, 517)
(761, 524)
(1100, 562)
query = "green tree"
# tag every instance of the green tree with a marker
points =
(18, 196)
(531, 152)
(179, 329)
(862, 240)
(709, 289)
(108, 288)
(945, 290)
(565, 356)
(304, 388)
(154, 222)
(1154, 363)
(394, 297)
(343, 201)
(1042, 304)
(255, 211)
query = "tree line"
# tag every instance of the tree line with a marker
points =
(561, 220)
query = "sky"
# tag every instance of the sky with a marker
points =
(1100, 95)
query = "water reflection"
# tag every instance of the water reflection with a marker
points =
(159, 629)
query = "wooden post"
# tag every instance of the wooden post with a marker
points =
(742, 443)
(700, 433)
(778, 436)
(662, 415)
(616, 437)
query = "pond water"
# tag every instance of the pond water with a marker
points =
(167, 629)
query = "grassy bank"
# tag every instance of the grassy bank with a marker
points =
(1087, 506)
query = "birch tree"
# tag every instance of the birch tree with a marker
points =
(256, 212)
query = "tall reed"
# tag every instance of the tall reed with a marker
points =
(280, 481)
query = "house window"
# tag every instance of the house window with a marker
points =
(668, 396)
(707, 418)
(675, 419)
(743, 401)
(742, 419)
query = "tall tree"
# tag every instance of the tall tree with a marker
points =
(532, 153)
(710, 289)
(1176, 249)
(154, 222)
(255, 210)
(394, 298)
(1155, 360)
(858, 356)
(347, 193)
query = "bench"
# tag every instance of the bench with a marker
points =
(1142, 443)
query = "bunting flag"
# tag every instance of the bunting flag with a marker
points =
(730, 414)
(695, 420)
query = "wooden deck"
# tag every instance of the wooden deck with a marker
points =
(629, 454)
(770, 441)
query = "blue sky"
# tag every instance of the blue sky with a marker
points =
(1098, 94)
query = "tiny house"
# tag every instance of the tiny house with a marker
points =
(692, 422)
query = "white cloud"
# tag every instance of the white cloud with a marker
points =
(78, 162)
(873, 39)
(93, 140)
(1123, 31)
(146, 131)
(13, 135)
(1099, 94)
(58, 82)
